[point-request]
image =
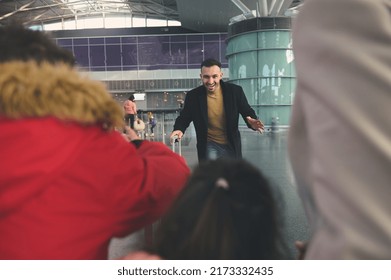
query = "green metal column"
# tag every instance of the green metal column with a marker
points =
(260, 59)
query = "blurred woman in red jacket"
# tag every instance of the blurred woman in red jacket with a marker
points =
(69, 182)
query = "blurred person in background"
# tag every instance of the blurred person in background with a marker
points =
(130, 109)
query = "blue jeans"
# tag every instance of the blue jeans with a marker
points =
(215, 150)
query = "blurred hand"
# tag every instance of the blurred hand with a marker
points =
(176, 133)
(130, 134)
(256, 124)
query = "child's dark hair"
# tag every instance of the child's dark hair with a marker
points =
(20, 43)
(226, 211)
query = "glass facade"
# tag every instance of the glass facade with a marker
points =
(261, 62)
(143, 52)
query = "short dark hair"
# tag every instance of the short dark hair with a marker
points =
(20, 43)
(210, 62)
(210, 221)
(131, 97)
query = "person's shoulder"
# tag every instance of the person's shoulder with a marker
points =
(195, 91)
(229, 88)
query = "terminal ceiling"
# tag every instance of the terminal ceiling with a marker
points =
(196, 15)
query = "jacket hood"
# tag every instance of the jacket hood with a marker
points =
(31, 90)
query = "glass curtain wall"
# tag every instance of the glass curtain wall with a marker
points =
(261, 61)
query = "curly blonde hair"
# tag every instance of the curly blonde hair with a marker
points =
(29, 89)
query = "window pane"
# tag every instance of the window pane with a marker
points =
(129, 55)
(112, 40)
(212, 50)
(195, 53)
(80, 41)
(81, 55)
(96, 41)
(64, 42)
(178, 52)
(97, 55)
(113, 55)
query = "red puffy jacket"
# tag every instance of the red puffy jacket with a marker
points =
(67, 189)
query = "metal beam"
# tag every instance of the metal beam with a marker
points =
(246, 11)
(279, 7)
(21, 9)
(284, 7)
(262, 8)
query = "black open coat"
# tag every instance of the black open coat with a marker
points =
(195, 110)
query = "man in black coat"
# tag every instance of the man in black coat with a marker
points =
(214, 109)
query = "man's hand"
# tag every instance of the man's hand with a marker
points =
(176, 133)
(256, 124)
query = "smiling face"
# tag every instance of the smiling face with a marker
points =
(211, 77)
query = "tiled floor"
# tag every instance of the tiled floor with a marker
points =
(267, 151)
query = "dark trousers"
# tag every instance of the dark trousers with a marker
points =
(129, 119)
